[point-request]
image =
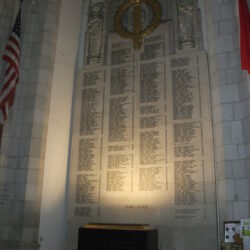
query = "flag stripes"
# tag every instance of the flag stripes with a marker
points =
(244, 34)
(11, 57)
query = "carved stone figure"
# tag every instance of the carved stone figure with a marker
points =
(185, 10)
(94, 47)
(95, 39)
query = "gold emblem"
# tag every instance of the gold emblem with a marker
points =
(138, 34)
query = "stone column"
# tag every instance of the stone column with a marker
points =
(231, 112)
(25, 133)
(53, 207)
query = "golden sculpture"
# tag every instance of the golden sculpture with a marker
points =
(138, 34)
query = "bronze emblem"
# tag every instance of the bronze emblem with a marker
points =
(138, 34)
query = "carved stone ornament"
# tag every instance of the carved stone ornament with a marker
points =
(94, 46)
(186, 21)
(138, 33)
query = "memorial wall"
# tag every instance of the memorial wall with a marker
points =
(142, 149)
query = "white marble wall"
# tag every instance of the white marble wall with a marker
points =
(128, 206)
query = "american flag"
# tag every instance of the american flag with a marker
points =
(244, 34)
(11, 58)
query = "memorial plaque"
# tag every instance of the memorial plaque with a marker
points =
(143, 147)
